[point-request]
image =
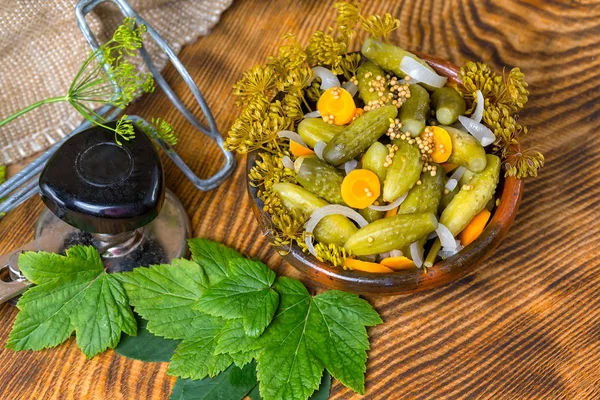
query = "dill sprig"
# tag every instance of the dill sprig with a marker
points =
(380, 27)
(504, 95)
(332, 253)
(159, 129)
(107, 76)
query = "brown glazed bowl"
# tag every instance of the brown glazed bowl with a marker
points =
(407, 281)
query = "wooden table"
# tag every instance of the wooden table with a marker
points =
(525, 325)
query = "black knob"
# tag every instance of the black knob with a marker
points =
(98, 186)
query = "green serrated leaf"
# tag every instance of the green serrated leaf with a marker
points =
(321, 394)
(234, 341)
(233, 384)
(195, 357)
(146, 346)
(246, 293)
(213, 257)
(73, 292)
(309, 334)
(164, 294)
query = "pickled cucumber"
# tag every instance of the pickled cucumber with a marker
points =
(426, 196)
(331, 229)
(469, 201)
(359, 135)
(313, 130)
(404, 172)
(466, 150)
(391, 233)
(448, 105)
(369, 86)
(415, 111)
(320, 178)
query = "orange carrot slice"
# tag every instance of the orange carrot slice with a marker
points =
(475, 227)
(366, 266)
(398, 263)
(298, 150)
(360, 188)
(392, 212)
(336, 105)
(449, 167)
(442, 144)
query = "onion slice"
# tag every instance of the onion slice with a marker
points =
(390, 206)
(478, 113)
(350, 88)
(446, 237)
(313, 114)
(477, 129)
(322, 212)
(350, 166)
(396, 253)
(309, 245)
(319, 147)
(328, 78)
(292, 136)
(451, 184)
(446, 252)
(421, 73)
(287, 162)
(416, 253)
(458, 173)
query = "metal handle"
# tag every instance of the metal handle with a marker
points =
(86, 6)
(12, 282)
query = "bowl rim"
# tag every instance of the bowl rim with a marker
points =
(405, 281)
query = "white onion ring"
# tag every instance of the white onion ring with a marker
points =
(320, 213)
(390, 206)
(458, 173)
(396, 253)
(309, 245)
(446, 252)
(416, 253)
(313, 114)
(446, 237)
(420, 73)
(328, 78)
(432, 235)
(477, 129)
(451, 184)
(287, 162)
(298, 163)
(319, 147)
(292, 136)
(350, 88)
(478, 113)
(350, 166)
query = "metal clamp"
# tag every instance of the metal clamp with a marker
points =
(23, 185)
(83, 8)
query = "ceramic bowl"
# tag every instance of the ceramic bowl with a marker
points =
(407, 281)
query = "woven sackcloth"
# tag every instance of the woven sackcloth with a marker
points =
(41, 50)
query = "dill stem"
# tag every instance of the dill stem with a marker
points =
(31, 107)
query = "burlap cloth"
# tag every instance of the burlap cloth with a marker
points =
(41, 50)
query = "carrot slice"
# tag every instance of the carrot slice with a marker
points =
(475, 227)
(449, 167)
(392, 212)
(357, 113)
(337, 106)
(442, 144)
(360, 188)
(298, 150)
(398, 263)
(366, 266)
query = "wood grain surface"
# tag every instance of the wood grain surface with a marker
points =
(525, 325)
